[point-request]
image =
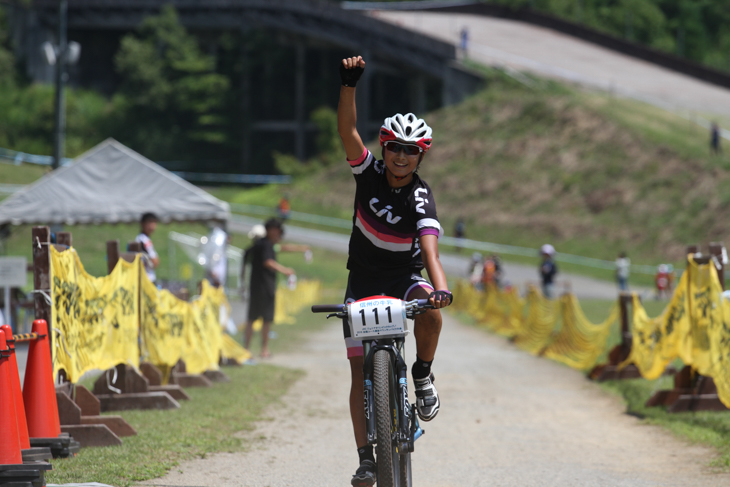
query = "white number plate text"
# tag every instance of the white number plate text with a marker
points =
(377, 318)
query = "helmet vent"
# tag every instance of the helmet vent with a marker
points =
(408, 131)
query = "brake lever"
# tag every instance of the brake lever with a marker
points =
(336, 315)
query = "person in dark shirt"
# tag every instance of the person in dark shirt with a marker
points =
(548, 269)
(262, 285)
(715, 139)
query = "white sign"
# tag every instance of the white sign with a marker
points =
(13, 272)
(377, 318)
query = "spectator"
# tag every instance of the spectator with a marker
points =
(216, 259)
(492, 271)
(283, 208)
(715, 139)
(262, 285)
(459, 233)
(548, 270)
(464, 40)
(623, 268)
(151, 260)
(663, 282)
(476, 267)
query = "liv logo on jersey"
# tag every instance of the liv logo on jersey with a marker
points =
(421, 201)
(379, 213)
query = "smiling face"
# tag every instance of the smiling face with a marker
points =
(400, 160)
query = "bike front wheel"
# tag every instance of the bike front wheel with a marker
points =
(383, 389)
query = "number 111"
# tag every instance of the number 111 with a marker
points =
(375, 312)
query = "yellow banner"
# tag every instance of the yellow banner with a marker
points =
(95, 320)
(165, 323)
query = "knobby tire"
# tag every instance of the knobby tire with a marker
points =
(383, 417)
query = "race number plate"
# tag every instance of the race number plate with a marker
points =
(377, 318)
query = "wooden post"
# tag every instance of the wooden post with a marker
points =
(716, 251)
(134, 247)
(41, 239)
(112, 254)
(626, 337)
(64, 238)
(619, 353)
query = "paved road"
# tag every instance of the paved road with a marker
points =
(508, 419)
(454, 265)
(526, 47)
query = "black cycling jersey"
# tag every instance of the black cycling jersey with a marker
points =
(387, 222)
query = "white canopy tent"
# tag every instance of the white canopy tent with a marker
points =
(110, 184)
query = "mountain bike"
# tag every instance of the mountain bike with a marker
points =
(392, 422)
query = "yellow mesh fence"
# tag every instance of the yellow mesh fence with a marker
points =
(556, 329)
(694, 327)
(580, 342)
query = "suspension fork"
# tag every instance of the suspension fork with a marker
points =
(404, 408)
(367, 370)
(394, 349)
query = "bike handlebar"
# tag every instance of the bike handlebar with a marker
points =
(328, 308)
(342, 308)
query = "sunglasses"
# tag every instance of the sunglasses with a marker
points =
(410, 150)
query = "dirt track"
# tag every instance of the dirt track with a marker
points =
(507, 419)
(549, 53)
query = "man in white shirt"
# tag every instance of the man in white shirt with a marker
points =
(151, 260)
(623, 267)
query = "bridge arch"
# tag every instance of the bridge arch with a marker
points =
(426, 67)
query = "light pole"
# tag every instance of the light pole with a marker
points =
(61, 55)
(60, 125)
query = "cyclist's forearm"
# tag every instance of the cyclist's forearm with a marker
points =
(436, 273)
(347, 123)
(430, 256)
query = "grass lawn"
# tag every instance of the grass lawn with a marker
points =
(203, 425)
(705, 427)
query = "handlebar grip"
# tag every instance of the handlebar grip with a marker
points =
(328, 308)
(422, 303)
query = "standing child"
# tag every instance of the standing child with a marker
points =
(394, 237)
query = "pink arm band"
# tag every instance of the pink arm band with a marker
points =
(359, 159)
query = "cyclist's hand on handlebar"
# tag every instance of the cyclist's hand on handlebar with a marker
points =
(440, 299)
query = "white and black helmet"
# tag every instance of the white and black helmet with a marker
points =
(408, 129)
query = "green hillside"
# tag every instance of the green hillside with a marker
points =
(591, 174)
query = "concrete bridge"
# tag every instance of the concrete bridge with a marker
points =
(407, 71)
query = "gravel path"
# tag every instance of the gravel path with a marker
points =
(546, 52)
(507, 419)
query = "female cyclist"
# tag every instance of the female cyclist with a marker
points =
(394, 236)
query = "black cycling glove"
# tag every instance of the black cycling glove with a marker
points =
(350, 76)
(442, 295)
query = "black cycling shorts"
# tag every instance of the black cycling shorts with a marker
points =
(361, 286)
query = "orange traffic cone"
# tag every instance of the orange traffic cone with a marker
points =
(15, 387)
(9, 439)
(39, 394)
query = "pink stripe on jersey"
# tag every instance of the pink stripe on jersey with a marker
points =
(359, 160)
(380, 235)
(428, 231)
